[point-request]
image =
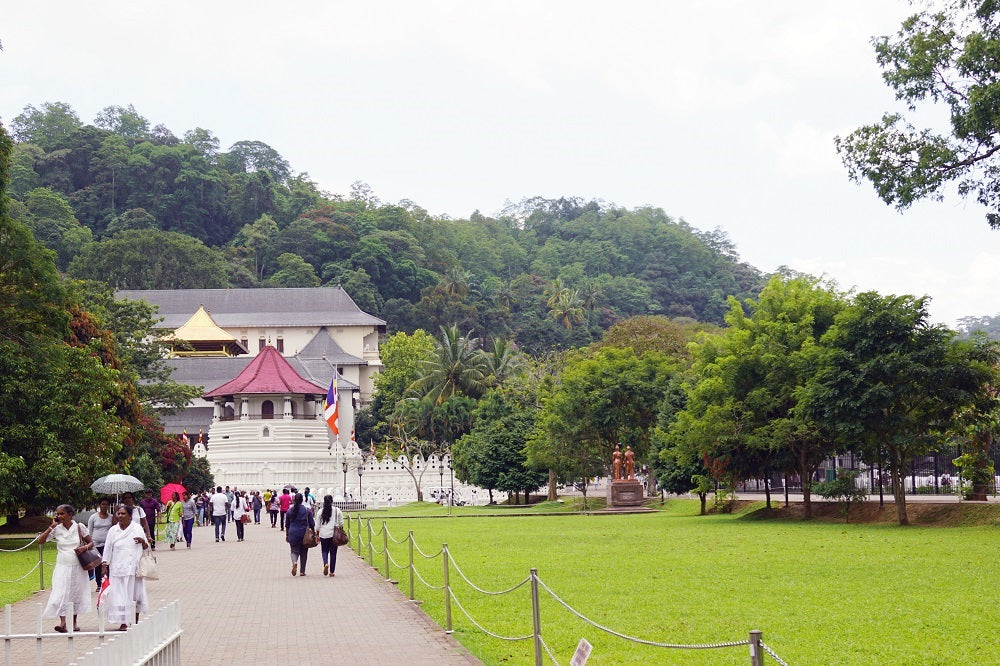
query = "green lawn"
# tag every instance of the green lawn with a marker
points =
(822, 593)
(17, 565)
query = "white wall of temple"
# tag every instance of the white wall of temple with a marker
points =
(254, 463)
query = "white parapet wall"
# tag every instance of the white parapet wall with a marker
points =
(245, 455)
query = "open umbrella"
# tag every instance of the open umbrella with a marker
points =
(117, 484)
(167, 491)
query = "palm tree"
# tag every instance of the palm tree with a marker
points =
(458, 366)
(555, 292)
(504, 360)
(568, 309)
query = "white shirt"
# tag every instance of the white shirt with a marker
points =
(326, 529)
(67, 539)
(219, 502)
(121, 552)
(239, 507)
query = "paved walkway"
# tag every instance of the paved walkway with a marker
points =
(240, 605)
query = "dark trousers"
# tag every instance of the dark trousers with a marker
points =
(300, 553)
(274, 518)
(283, 519)
(99, 569)
(220, 523)
(188, 524)
(329, 552)
(239, 528)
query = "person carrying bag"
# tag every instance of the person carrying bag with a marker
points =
(331, 534)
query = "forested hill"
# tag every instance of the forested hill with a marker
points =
(135, 205)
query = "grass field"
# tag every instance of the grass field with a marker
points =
(15, 566)
(822, 592)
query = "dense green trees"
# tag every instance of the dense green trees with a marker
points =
(125, 174)
(890, 384)
(70, 401)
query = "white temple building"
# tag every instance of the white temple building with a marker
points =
(265, 359)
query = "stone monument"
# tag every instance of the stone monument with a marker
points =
(625, 489)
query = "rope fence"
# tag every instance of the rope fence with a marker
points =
(38, 565)
(757, 647)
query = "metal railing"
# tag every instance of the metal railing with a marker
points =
(358, 525)
(154, 641)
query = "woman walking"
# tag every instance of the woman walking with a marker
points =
(122, 551)
(70, 582)
(98, 525)
(200, 504)
(329, 517)
(272, 509)
(297, 520)
(240, 513)
(188, 513)
(173, 512)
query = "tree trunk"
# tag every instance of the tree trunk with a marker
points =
(491, 496)
(767, 491)
(898, 490)
(881, 491)
(786, 491)
(552, 486)
(703, 497)
(806, 474)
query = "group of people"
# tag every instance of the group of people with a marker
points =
(122, 539)
(299, 518)
(121, 533)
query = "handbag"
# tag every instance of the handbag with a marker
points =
(309, 538)
(90, 559)
(339, 536)
(147, 566)
(245, 518)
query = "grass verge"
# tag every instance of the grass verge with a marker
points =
(822, 592)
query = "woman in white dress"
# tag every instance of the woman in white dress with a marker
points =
(122, 550)
(70, 582)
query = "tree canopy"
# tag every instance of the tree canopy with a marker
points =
(945, 54)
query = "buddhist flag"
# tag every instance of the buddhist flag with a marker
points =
(352, 435)
(201, 436)
(184, 438)
(331, 411)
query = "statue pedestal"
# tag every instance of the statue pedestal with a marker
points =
(623, 492)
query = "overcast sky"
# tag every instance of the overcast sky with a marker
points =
(721, 113)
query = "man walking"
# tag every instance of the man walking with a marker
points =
(220, 512)
(151, 507)
(284, 501)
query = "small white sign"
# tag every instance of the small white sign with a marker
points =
(582, 653)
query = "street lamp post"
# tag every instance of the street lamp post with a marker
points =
(440, 478)
(361, 496)
(344, 467)
(451, 474)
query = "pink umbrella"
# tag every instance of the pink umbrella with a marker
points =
(168, 490)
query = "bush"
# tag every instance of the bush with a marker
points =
(844, 490)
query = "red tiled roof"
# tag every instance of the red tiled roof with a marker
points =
(269, 372)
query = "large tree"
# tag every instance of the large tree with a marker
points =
(151, 259)
(893, 382)
(742, 414)
(945, 54)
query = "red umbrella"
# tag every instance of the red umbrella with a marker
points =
(167, 491)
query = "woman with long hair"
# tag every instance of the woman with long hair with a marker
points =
(70, 582)
(297, 520)
(329, 517)
(122, 551)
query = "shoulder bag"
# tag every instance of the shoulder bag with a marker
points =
(339, 536)
(90, 559)
(147, 566)
(309, 538)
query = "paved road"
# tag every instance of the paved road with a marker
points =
(240, 605)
